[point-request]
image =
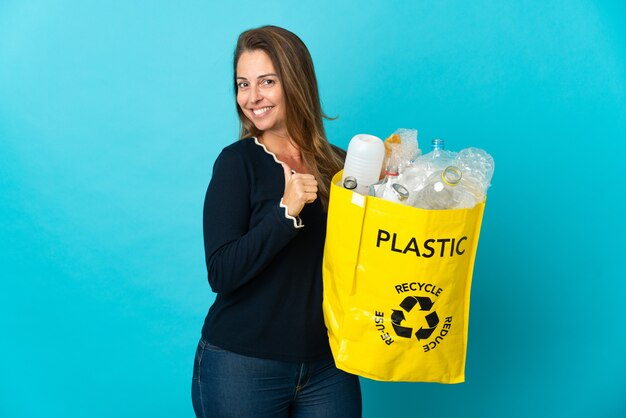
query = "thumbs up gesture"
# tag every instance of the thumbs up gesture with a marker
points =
(300, 189)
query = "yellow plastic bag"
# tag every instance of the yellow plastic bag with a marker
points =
(397, 285)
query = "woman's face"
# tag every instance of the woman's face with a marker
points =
(260, 93)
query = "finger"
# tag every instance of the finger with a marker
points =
(304, 176)
(304, 179)
(287, 172)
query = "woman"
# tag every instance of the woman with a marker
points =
(264, 348)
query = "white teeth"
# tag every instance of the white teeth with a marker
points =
(261, 110)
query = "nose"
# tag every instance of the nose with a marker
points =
(255, 94)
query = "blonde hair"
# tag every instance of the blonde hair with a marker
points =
(303, 110)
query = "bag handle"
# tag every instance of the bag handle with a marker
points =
(346, 215)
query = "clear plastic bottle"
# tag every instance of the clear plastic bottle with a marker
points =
(414, 177)
(438, 158)
(417, 173)
(443, 190)
(401, 148)
(391, 187)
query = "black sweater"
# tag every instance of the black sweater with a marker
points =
(265, 268)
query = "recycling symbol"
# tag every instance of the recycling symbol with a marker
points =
(425, 304)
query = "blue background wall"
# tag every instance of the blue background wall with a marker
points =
(111, 114)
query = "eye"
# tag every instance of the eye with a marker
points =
(242, 85)
(268, 82)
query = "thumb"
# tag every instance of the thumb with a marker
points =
(287, 172)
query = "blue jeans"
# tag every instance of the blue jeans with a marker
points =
(227, 384)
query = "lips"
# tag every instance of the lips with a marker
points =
(262, 110)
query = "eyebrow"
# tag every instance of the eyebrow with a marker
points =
(261, 76)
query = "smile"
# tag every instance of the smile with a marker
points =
(259, 112)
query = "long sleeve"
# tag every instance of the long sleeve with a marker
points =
(264, 267)
(237, 250)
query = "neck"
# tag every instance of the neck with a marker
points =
(281, 145)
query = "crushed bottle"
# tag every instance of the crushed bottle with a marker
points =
(477, 167)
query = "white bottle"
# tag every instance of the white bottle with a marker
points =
(364, 161)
